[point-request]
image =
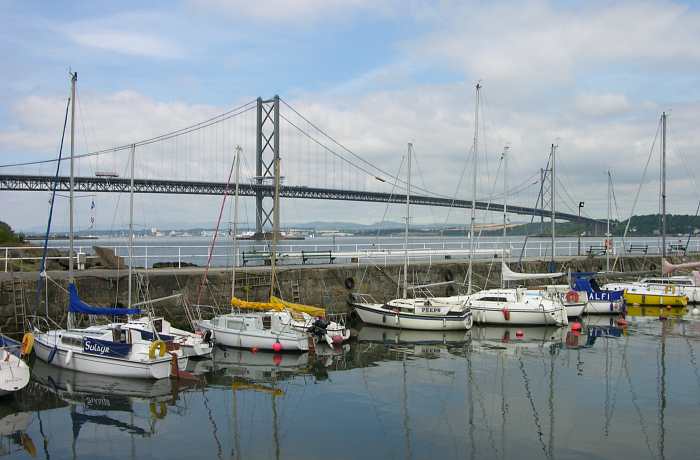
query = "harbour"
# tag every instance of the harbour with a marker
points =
(546, 395)
(356, 230)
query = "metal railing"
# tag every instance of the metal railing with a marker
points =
(146, 255)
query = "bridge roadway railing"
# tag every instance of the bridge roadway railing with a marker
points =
(34, 183)
(179, 255)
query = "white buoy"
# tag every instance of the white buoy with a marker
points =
(695, 311)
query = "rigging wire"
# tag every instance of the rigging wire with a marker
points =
(639, 189)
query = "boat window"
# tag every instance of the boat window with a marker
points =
(214, 321)
(493, 299)
(267, 322)
(158, 325)
(234, 324)
(72, 341)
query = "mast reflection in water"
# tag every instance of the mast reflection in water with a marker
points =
(487, 393)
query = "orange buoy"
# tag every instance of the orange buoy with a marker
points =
(576, 326)
(506, 313)
(622, 322)
(519, 333)
(668, 307)
(276, 347)
(254, 349)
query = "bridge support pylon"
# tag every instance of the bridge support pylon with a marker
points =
(267, 151)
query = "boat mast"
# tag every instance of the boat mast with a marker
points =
(473, 209)
(553, 192)
(663, 186)
(74, 79)
(505, 204)
(131, 222)
(607, 231)
(71, 278)
(235, 224)
(275, 226)
(408, 216)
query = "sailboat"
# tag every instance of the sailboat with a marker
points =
(506, 305)
(418, 312)
(109, 349)
(276, 325)
(642, 293)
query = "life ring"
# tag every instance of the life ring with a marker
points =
(27, 343)
(448, 275)
(572, 297)
(157, 345)
(349, 282)
(156, 413)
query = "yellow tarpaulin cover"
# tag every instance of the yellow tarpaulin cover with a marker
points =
(277, 304)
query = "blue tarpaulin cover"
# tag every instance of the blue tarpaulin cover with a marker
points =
(78, 306)
(582, 281)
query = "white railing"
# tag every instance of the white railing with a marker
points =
(146, 255)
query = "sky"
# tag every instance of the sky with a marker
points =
(592, 77)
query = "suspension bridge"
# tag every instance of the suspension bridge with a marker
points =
(186, 161)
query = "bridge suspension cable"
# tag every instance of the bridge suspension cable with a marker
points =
(241, 109)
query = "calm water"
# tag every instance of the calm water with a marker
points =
(150, 250)
(389, 394)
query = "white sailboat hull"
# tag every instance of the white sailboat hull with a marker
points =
(530, 317)
(603, 307)
(575, 310)
(260, 339)
(377, 315)
(14, 373)
(67, 358)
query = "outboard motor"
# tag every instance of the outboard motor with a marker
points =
(318, 327)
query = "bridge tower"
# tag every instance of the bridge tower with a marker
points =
(267, 152)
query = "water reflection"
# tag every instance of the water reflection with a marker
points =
(494, 392)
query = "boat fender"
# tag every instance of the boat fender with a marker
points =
(572, 296)
(349, 282)
(27, 343)
(52, 354)
(506, 313)
(69, 357)
(157, 345)
(449, 276)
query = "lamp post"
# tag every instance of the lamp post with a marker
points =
(580, 205)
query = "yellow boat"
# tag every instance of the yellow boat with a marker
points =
(645, 296)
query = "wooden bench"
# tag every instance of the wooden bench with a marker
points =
(677, 247)
(596, 250)
(641, 248)
(308, 255)
(255, 255)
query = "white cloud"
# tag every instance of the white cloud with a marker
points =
(126, 42)
(294, 10)
(601, 104)
(542, 43)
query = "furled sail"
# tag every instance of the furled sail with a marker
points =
(510, 275)
(667, 267)
(76, 305)
(278, 305)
